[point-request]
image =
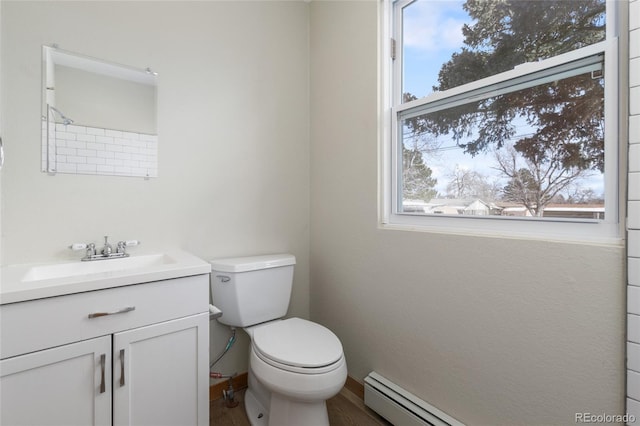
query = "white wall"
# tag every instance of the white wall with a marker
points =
(633, 269)
(1, 124)
(492, 331)
(233, 134)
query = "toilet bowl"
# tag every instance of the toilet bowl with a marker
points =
(295, 365)
(299, 365)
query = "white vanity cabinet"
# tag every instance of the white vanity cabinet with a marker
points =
(59, 386)
(161, 373)
(142, 360)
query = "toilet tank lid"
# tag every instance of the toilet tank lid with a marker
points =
(252, 263)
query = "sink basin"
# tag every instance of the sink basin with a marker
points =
(59, 270)
(20, 283)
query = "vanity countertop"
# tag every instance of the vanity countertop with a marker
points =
(19, 283)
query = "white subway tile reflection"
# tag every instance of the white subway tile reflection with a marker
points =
(92, 150)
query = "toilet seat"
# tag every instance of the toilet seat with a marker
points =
(298, 346)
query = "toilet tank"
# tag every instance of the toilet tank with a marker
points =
(254, 289)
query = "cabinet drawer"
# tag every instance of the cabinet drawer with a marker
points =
(38, 324)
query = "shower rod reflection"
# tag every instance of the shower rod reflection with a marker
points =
(65, 120)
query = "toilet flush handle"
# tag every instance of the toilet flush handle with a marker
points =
(223, 278)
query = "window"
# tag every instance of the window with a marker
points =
(503, 117)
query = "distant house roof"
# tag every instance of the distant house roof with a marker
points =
(454, 206)
(478, 207)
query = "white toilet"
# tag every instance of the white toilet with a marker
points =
(295, 365)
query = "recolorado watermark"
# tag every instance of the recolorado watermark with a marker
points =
(605, 418)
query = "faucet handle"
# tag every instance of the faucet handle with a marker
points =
(121, 247)
(128, 243)
(82, 246)
(90, 248)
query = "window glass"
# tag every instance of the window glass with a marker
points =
(484, 126)
(514, 154)
(446, 43)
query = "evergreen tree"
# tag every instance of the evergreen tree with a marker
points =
(417, 183)
(506, 33)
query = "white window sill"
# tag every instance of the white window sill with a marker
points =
(561, 231)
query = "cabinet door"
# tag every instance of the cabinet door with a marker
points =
(68, 385)
(161, 374)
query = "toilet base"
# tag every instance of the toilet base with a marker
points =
(257, 414)
(266, 408)
(284, 411)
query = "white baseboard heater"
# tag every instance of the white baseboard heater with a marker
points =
(401, 407)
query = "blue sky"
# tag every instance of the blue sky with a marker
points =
(432, 33)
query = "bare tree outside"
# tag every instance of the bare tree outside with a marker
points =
(466, 183)
(534, 183)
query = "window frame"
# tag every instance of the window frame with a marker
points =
(609, 230)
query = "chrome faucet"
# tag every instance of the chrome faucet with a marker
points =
(106, 252)
(107, 249)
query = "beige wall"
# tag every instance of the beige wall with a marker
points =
(492, 331)
(233, 130)
(1, 122)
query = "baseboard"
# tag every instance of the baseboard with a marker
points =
(239, 383)
(355, 387)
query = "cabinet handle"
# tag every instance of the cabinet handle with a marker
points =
(104, 314)
(103, 358)
(121, 367)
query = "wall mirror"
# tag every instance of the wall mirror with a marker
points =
(97, 117)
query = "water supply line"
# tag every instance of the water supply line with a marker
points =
(227, 394)
(230, 342)
(216, 375)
